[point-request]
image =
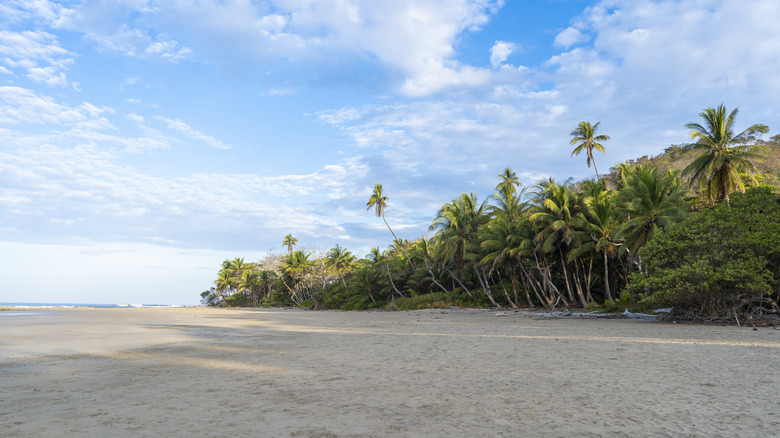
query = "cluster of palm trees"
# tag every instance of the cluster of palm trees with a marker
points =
(247, 283)
(553, 243)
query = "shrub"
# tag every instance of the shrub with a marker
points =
(716, 262)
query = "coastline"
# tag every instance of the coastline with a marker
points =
(283, 372)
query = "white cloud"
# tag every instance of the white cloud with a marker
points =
(413, 38)
(135, 118)
(180, 126)
(38, 53)
(500, 52)
(137, 43)
(569, 37)
(20, 105)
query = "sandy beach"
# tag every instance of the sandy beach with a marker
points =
(201, 372)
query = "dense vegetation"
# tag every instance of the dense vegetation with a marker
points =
(672, 230)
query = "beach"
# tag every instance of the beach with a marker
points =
(205, 372)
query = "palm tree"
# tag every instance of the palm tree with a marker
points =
(584, 138)
(507, 196)
(340, 260)
(456, 226)
(289, 241)
(556, 218)
(723, 154)
(508, 184)
(298, 267)
(600, 222)
(379, 202)
(249, 283)
(652, 202)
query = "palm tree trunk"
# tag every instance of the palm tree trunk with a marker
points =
(578, 284)
(506, 294)
(597, 171)
(396, 239)
(455, 278)
(566, 276)
(606, 278)
(485, 288)
(433, 278)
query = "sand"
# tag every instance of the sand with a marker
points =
(200, 372)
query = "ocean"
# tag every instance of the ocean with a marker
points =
(72, 305)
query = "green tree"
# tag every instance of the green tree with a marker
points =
(600, 223)
(716, 263)
(651, 202)
(584, 138)
(456, 226)
(340, 260)
(723, 154)
(289, 241)
(555, 216)
(379, 201)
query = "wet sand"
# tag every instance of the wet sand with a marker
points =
(199, 372)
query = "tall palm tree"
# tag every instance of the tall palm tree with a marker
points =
(289, 241)
(379, 202)
(723, 154)
(508, 183)
(507, 196)
(584, 138)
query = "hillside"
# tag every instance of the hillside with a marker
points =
(674, 158)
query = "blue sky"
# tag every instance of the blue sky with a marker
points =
(142, 142)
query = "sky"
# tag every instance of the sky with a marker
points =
(143, 142)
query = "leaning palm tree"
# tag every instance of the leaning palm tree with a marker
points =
(723, 154)
(584, 138)
(289, 241)
(600, 222)
(555, 216)
(379, 202)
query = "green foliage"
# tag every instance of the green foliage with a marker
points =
(716, 260)
(439, 300)
(238, 300)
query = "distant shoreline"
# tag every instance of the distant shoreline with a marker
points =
(18, 306)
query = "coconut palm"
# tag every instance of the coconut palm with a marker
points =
(507, 197)
(584, 138)
(600, 223)
(723, 154)
(456, 226)
(379, 202)
(652, 202)
(340, 260)
(289, 241)
(555, 216)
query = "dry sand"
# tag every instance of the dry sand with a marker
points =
(199, 372)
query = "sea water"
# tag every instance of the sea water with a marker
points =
(73, 305)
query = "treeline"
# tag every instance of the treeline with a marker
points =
(634, 238)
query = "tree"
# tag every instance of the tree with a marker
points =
(584, 138)
(723, 154)
(289, 241)
(340, 260)
(556, 217)
(456, 226)
(600, 223)
(379, 202)
(716, 263)
(651, 202)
